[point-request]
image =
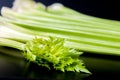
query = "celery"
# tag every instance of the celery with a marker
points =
(74, 35)
(80, 17)
(43, 50)
(83, 32)
(41, 18)
(59, 9)
(53, 35)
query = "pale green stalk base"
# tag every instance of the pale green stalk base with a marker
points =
(11, 43)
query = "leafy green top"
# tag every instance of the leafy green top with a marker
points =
(51, 52)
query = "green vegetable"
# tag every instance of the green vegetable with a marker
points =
(55, 35)
(83, 32)
(44, 50)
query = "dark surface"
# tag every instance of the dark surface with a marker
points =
(13, 68)
(102, 67)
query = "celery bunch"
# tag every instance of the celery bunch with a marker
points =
(55, 35)
(42, 49)
(87, 33)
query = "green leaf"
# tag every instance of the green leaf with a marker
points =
(50, 52)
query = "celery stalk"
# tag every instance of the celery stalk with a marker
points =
(12, 14)
(59, 9)
(85, 45)
(81, 36)
(53, 37)
(43, 50)
(85, 32)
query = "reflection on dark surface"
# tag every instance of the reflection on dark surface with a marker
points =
(101, 68)
(35, 71)
(10, 66)
(16, 67)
